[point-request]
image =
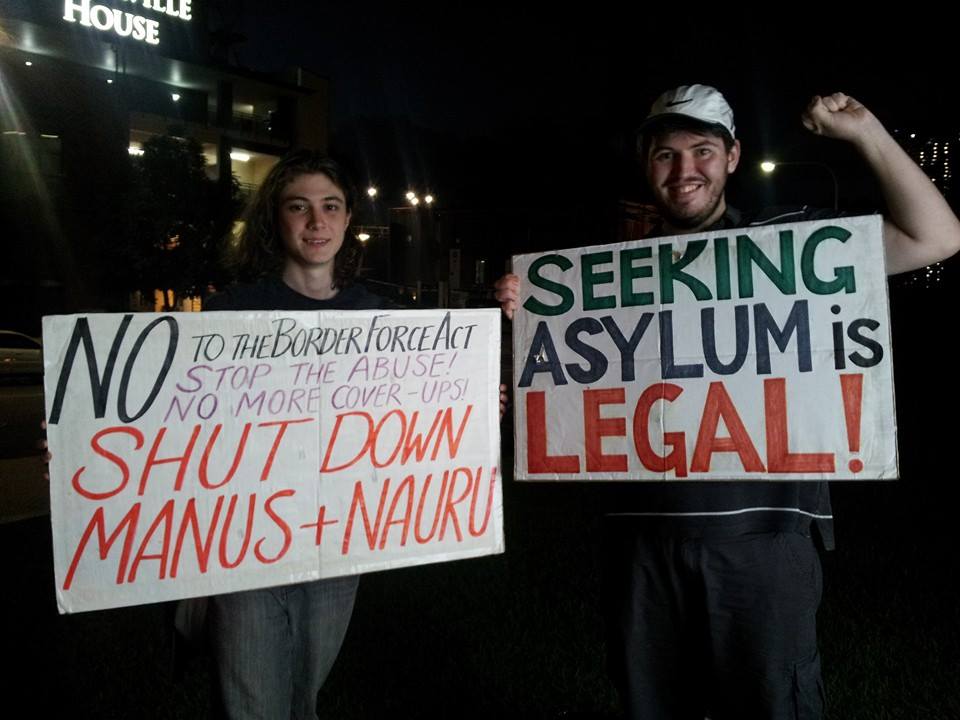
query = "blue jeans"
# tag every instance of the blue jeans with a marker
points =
(274, 647)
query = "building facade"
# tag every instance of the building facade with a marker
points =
(84, 86)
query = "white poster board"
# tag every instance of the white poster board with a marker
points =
(756, 353)
(196, 454)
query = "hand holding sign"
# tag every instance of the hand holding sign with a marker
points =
(764, 355)
(507, 293)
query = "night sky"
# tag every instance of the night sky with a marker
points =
(478, 70)
(537, 88)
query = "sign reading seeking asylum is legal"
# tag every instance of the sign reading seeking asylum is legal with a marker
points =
(755, 353)
(196, 454)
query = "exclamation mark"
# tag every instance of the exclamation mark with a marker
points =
(450, 365)
(852, 388)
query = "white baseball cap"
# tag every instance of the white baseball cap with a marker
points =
(699, 102)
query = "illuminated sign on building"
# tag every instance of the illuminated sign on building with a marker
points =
(126, 24)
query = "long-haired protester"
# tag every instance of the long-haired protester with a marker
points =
(275, 646)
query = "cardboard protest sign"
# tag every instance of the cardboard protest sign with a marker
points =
(196, 454)
(755, 353)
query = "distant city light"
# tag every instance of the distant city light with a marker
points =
(28, 63)
(175, 97)
(363, 237)
(410, 195)
(109, 81)
(135, 151)
(428, 199)
(768, 166)
(372, 191)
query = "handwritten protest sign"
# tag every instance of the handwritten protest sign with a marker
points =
(196, 454)
(757, 353)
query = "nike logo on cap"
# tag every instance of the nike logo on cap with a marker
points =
(679, 102)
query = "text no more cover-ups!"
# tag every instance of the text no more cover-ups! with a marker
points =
(201, 453)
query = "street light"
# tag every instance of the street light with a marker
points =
(372, 192)
(768, 166)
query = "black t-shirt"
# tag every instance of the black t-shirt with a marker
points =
(274, 294)
(721, 508)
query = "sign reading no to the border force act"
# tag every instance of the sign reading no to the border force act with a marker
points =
(755, 353)
(196, 454)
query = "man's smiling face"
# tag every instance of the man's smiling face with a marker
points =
(687, 172)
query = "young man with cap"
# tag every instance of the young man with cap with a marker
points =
(713, 588)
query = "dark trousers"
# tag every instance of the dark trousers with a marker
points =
(722, 628)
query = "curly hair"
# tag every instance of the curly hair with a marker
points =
(259, 251)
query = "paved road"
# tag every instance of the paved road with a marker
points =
(23, 491)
